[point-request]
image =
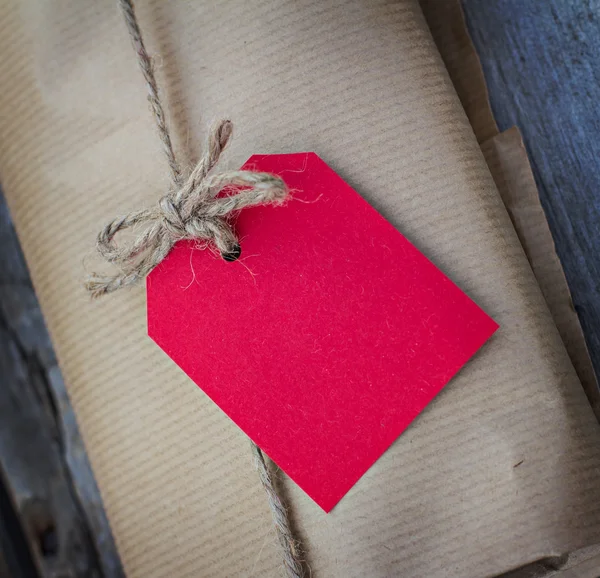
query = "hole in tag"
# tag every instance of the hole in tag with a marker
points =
(233, 255)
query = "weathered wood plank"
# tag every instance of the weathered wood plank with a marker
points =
(16, 560)
(540, 61)
(46, 475)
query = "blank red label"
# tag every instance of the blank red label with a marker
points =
(328, 336)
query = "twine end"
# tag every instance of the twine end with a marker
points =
(223, 131)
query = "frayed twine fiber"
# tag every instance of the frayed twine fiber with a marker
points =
(192, 210)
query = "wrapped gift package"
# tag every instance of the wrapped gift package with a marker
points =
(500, 470)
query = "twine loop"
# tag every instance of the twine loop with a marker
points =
(193, 210)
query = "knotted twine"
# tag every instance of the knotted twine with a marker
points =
(192, 210)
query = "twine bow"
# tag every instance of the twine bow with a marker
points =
(192, 211)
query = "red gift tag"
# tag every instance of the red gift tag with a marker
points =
(326, 338)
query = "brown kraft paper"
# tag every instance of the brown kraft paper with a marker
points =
(500, 470)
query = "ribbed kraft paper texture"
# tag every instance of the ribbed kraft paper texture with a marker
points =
(362, 85)
(506, 156)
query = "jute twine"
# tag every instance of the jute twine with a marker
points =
(192, 210)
